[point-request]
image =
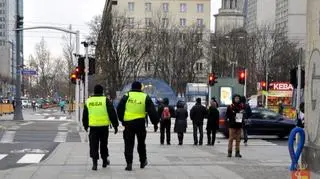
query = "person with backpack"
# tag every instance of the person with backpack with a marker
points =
(165, 112)
(197, 114)
(180, 125)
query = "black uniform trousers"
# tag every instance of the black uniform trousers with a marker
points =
(197, 126)
(131, 130)
(99, 135)
(165, 127)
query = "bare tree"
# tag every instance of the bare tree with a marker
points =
(68, 54)
(120, 61)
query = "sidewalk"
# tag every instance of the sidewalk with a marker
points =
(71, 160)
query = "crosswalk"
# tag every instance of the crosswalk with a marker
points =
(27, 158)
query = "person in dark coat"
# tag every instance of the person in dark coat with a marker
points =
(132, 110)
(197, 114)
(165, 122)
(234, 115)
(180, 125)
(212, 122)
(247, 114)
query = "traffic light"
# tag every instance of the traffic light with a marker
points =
(263, 86)
(212, 79)
(242, 77)
(19, 22)
(92, 65)
(73, 77)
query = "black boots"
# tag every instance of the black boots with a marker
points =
(229, 153)
(238, 154)
(129, 167)
(105, 162)
(94, 164)
(143, 164)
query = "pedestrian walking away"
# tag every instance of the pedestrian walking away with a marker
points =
(212, 122)
(246, 115)
(197, 114)
(234, 115)
(132, 110)
(180, 125)
(165, 112)
(98, 114)
(62, 104)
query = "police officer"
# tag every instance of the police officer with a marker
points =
(132, 110)
(98, 114)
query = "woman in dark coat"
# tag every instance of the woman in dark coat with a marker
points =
(180, 125)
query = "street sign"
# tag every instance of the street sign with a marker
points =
(28, 72)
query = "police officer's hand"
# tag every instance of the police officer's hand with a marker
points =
(115, 130)
(155, 128)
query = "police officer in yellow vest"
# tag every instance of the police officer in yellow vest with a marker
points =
(132, 111)
(98, 114)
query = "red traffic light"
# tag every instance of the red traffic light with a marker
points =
(242, 75)
(212, 79)
(263, 84)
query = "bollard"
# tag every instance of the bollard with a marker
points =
(295, 155)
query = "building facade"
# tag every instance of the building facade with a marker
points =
(289, 13)
(230, 16)
(7, 44)
(178, 13)
(311, 151)
(260, 13)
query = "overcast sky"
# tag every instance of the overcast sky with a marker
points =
(61, 13)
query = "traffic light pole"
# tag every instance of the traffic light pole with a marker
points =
(299, 81)
(86, 70)
(245, 83)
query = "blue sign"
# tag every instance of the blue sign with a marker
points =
(28, 72)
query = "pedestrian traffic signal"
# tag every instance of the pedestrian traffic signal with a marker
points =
(212, 79)
(242, 77)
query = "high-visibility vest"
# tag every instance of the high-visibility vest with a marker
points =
(135, 106)
(97, 109)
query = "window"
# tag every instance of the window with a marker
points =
(231, 2)
(236, 3)
(165, 7)
(131, 6)
(183, 22)
(165, 22)
(183, 7)
(199, 8)
(131, 22)
(199, 66)
(319, 23)
(148, 7)
(148, 22)
(199, 22)
(2, 26)
(147, 66)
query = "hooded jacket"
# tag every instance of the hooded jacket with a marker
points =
(232, 110)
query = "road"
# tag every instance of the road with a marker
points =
(32, 140)
(31, 143)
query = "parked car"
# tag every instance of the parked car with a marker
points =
(262, 122)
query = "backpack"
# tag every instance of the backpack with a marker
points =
(166, 113)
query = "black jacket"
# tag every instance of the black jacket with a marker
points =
(213, 118)
(232, 110)
(150, 109)
(111, 112)
(180, 124)
(197, 113)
